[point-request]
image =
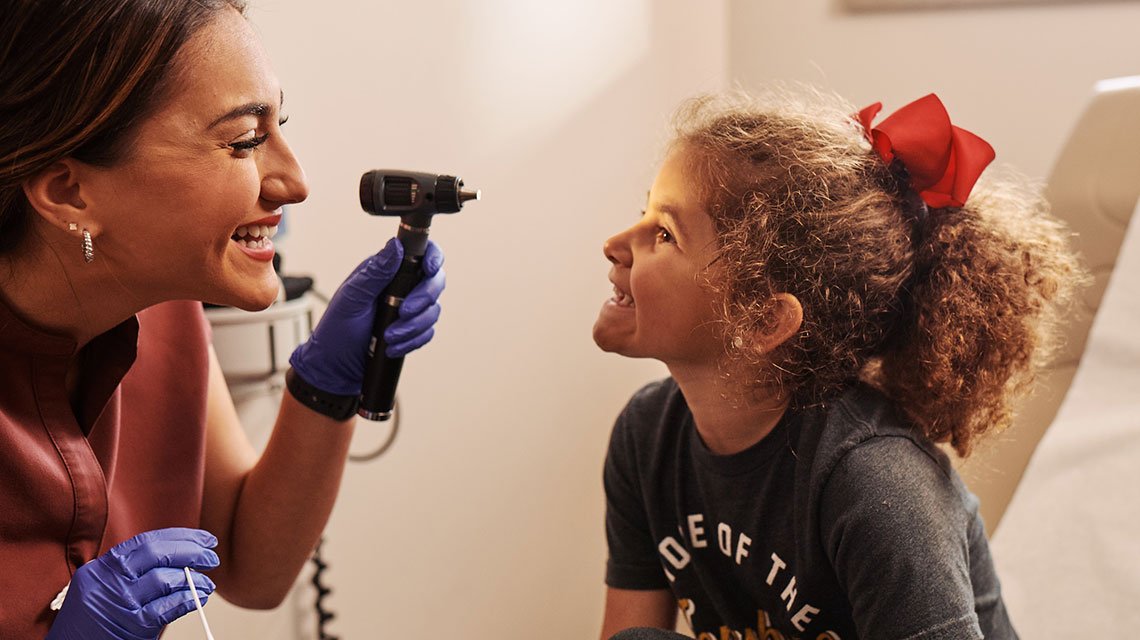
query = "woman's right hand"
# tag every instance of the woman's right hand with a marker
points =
(137, 588)
(334, 357)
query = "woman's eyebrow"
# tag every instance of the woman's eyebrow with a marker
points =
(258, 109)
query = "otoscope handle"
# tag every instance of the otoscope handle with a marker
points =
(415, 197)
(382, 374)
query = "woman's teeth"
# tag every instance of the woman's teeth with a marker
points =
(622, 299)
(253, 236)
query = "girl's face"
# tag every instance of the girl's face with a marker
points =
(209, 165)
(660, 308)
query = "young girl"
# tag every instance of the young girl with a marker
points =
(832, 301)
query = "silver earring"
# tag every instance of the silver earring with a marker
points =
(88, 247)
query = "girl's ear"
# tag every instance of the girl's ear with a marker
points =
(55, 196)
(784, 321)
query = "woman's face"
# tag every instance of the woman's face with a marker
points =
(209, 164)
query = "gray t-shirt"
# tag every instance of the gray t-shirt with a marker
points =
(842, 523)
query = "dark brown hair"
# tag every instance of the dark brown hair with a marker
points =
(76, 77)
(948, 314)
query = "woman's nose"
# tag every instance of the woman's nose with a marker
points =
(284, 182)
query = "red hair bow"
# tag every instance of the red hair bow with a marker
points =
(943, 161)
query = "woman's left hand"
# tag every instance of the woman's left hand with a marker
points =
(137, 588)
(333, 357)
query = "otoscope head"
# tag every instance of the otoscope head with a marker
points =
(464, 196)
(392, 192)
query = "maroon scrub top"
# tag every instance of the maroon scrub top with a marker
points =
(129, 458)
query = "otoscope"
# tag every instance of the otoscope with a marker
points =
(415, 197)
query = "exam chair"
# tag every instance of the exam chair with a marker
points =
(1093, 187)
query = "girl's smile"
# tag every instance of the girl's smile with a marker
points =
(660, 307)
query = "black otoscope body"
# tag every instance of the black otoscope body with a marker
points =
(415, 197)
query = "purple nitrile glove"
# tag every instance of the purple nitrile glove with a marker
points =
(137, 588)
(333, 357)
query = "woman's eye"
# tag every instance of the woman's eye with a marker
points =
(248, 144)
(663, 235)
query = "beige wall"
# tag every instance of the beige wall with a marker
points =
(485, 519)
(1018, 75)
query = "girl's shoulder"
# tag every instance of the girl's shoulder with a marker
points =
(864, 438)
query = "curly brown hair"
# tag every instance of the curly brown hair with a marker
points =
(949, 314)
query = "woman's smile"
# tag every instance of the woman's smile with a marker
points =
(255, 238)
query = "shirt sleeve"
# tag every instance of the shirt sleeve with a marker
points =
(633, 560)
(895, 529)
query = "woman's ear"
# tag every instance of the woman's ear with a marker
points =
(56, 196)
(784, 321)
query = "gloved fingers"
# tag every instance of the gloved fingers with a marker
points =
(132, 554)
(425, 294)
(169, 553)
(410, 345)
(160, 612)
(407, 327)
(360, 290)
(163, 581)
(200, 536)
(432, 260)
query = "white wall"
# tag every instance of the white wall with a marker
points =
(486, 518)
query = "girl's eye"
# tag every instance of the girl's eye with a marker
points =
(663, 235)
(246, 145)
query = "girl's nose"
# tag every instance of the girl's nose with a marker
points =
(616, 249)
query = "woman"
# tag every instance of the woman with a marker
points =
(142, 165)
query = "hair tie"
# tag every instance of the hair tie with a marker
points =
(943, 161)
(914, 208)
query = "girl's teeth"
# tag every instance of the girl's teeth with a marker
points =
(622, 299)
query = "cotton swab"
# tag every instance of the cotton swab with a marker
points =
(198, 602)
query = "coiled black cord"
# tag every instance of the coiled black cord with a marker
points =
(324, 616)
